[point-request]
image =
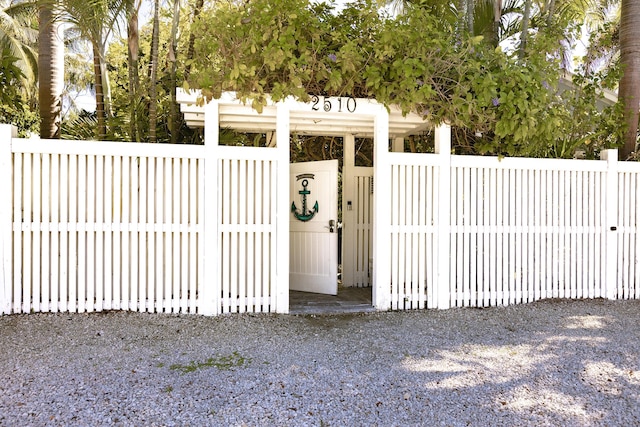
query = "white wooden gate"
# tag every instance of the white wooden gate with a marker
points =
(357, 219)
(313, 249)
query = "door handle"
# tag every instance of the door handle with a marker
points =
(332, 225)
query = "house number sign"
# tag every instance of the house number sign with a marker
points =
(306, 214)
(333, 104)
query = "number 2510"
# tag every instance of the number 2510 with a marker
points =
(349, 104)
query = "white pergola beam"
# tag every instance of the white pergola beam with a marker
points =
(305, 118)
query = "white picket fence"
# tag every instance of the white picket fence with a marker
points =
(483, 231)
(88, 226)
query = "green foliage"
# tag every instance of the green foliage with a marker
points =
(497, 103)
(10, 75)
(18, 114)
(287, 49)
(223, 363)
(13, 109)
(83, 125)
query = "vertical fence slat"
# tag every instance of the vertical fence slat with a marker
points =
(415, 200)
(500, 236)
(7, 256)
(73, 233)
(160, 221)
(259, 206)
(176, 222)
(395, 258)
(46, 232)
(63, 206)
(185, 286)
(36, 221)
(27, 239)
(492, 232)
(168, 235)
(402, 213)
(116, 233)
(465, 296)
(584, 236)
(18, 219)
(241, 201)
(125, 233)
(204, 305)
(636, 226)
(593, 230)
(82, 234)
(538, 256)
(109, 187)
(422, 224)
(457, 200)
(224, 249)
(485, 221)
(145, 242)
(92, 277)
(133, 223)
(270, 251)
(250, 251)
(193, 235)
(101, 274)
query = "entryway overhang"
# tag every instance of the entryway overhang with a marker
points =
(305, 118)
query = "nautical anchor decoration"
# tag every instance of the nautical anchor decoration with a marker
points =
(305, 215)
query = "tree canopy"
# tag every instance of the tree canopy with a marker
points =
(498, 102)
(489, 68)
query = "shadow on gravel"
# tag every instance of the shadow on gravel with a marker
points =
(574, 364)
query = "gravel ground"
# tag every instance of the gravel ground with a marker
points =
(548, 363)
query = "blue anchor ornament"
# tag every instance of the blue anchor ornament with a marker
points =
(305, 215)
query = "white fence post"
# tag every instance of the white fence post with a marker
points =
(611, 248)
(443, 149)
(7, 133)
(381, 293)
(282, 212)
(210, 283)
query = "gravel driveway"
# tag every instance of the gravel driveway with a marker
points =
(549, 363)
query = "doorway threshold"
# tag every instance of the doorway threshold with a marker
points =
(348, 301)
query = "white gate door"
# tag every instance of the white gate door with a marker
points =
(313, 237)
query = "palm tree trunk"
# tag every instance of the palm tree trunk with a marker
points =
(100, 112)
(133, 39)
(106, 85)
(174, 117)
(629, 90)
(153, 74)
(470, 15)
(550, 12)
(525, 28)
(192, 39)
(50, 72)
(497, 18)
(462, 18)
